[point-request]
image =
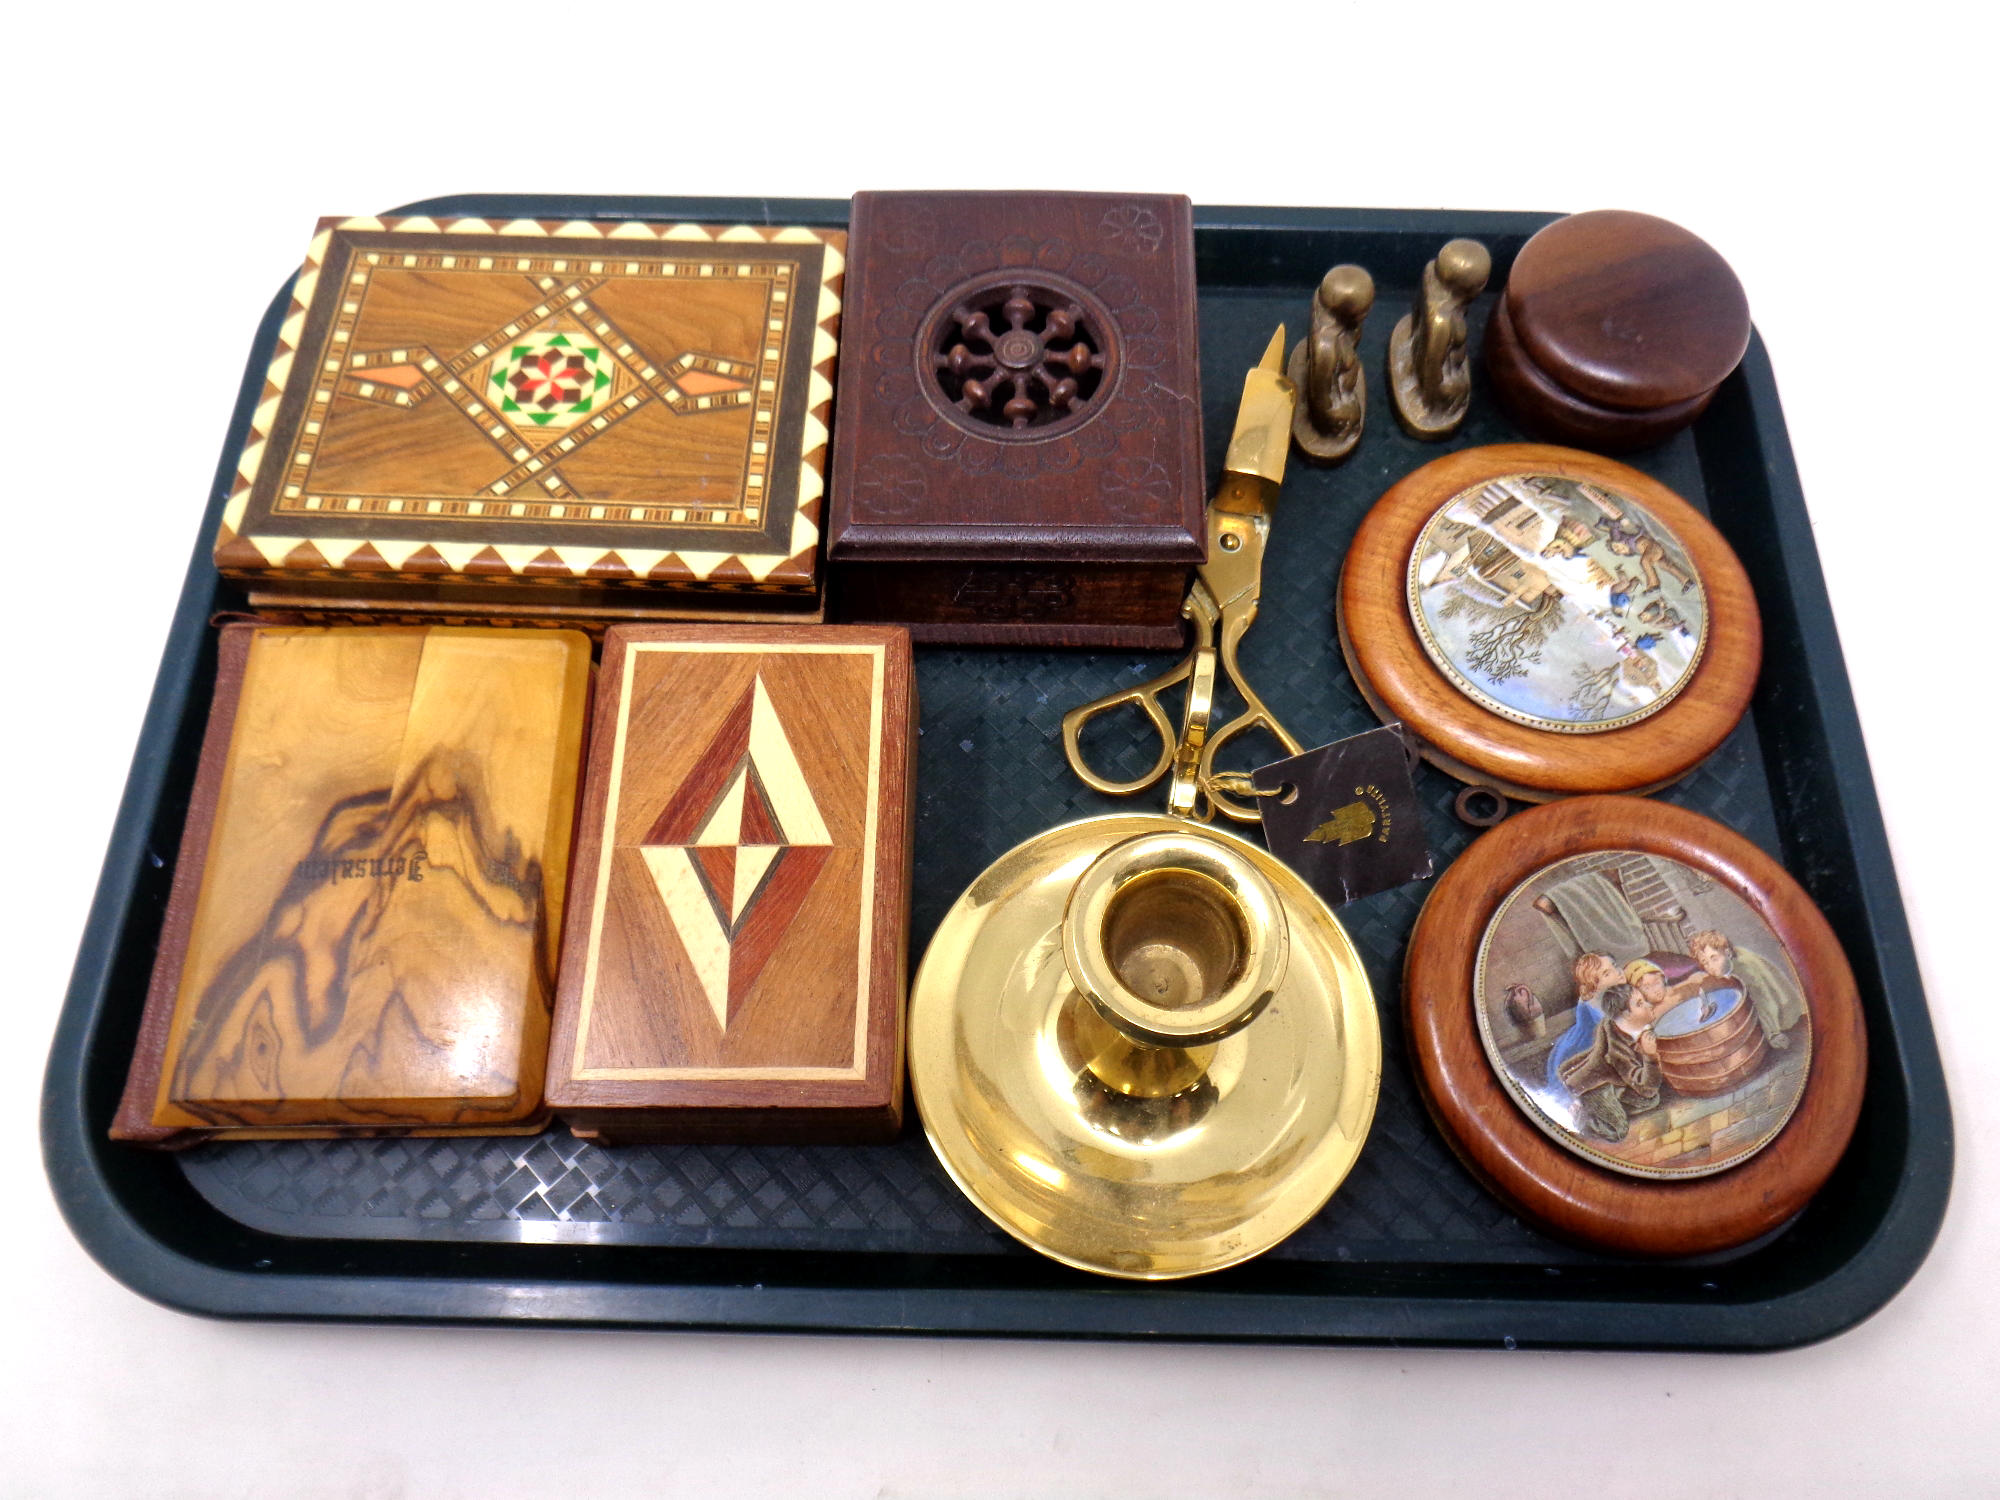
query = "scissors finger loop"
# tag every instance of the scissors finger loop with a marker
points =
(1146, 695)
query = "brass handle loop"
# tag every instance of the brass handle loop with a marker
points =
(1147, 696)
(1198, 791)
(1224, 787)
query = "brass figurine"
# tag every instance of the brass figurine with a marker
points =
(1430, 379)
(1326, 367)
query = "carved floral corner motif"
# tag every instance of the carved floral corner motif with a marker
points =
(1136, 484)
(1131, 227)
(889, 485)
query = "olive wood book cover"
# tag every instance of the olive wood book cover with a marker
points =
(610, 404)
(734, 966)
(361, 936)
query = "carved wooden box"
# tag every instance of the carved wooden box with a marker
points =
(1017, 453)
(362, 933)
(476, 411)
(734, 963)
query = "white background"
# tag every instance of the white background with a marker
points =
(164, 172)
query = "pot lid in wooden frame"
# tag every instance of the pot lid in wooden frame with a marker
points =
(1626, 1151)
(1549, 622)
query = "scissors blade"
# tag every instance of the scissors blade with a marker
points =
(1263, 435)
(1239, 517)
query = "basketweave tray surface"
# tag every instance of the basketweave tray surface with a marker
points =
(1410, 1249)
(540, 399)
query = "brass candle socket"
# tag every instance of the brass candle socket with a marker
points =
(1176, 942)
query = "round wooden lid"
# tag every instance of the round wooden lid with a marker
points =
(1628, 310)
(1677, 1132)
(1549, 622)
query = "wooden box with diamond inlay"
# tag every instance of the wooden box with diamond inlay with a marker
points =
(544, 410)
(734, 962)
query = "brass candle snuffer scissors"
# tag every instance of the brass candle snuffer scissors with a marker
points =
(1139, 1045)
(1222, 604)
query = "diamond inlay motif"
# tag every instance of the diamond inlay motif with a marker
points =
(736, 852)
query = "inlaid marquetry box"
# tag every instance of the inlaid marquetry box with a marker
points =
(734, 964)
(361, 937)
(467, 410)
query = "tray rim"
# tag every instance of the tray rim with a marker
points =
(110, 1230)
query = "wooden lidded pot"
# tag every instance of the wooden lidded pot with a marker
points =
(1643, 929)
(1548, 622)
(1614, 330)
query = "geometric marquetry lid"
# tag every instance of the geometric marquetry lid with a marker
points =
(1549, 622)
(1633, 1025)
(734, 962)
(508, 401)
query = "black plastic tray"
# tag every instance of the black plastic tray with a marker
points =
(1410, 1250)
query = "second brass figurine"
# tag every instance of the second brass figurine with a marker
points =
(1430, 378)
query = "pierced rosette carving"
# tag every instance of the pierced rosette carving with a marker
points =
(923, 393)
(1021, 355)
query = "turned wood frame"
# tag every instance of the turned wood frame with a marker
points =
(1551, 1186)
(1468, 741)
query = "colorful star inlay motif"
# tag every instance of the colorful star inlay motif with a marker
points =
(549, 379)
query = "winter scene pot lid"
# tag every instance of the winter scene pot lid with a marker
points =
(1642, 1015)
(1558, 603)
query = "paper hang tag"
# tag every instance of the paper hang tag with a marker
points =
(1350, 825)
